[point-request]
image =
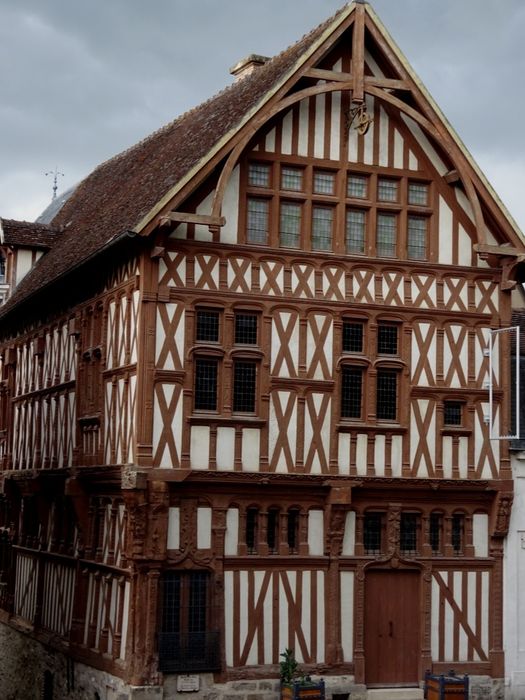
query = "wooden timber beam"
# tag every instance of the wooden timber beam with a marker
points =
(358, 54)
(180, 217)
(335, 76)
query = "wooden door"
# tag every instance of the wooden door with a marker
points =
(392, 628)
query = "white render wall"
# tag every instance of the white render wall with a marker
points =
(514, 588)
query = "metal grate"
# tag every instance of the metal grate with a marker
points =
(2, 270)
(355, 231)
(244, 385)
(290, 225)
(372, 528)
(324, 182)
(357, 186)
(408, 533)
(257, 220)
(453, 413)
(246, 329)
(352, 336)
(259, 175)
(292, 179)
(386, 395)
(351, 392)
(322, 218)
(207, 326)
(386, 234)
(387, 336)
(417, 237)
(206, 371)
(418, 193)
(435, 532)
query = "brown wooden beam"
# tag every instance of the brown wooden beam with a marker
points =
(179, 217)
(335, 76)
(358, 54)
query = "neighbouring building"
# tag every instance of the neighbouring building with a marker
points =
(244, 397)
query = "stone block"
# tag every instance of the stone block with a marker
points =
(244, 686)
(146, 692)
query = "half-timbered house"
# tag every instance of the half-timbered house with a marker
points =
(244, 398)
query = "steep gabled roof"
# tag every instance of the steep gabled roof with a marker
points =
(121, 192)
(26, 234)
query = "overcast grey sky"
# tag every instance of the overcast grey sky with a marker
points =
(82, 80)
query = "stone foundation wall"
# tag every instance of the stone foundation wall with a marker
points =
(24, 662)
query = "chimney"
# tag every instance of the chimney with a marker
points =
(247, 65)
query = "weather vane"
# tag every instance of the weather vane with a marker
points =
(55, 173)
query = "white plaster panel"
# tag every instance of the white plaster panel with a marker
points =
(283, 397)
(361, 453)
(231, 536)
(180, 232)
(24, 262)
(283, 614)
(463, 457)
(383, 137)
(250, 453)
(203, 527)
(480, 534)
(425, 144)
(399, 147)
(302, 146)
(305, 611)
(352, 145)
(203, 233)
(347, 615)
(286, 134)
(268, 623)
(447, 456)
(173, 528)
(320, 616)
(372, 64)
(368, 156)
(445, 232)
(335, 130)
(348, 548)
(397, 455)
(315, 532)
(225, 448)
(270, 141)
(413, 163)
(228, 616)
(200, 447)
(344, 453)
(464, 247)
(230, 209)
(320, 109)
(379, 455)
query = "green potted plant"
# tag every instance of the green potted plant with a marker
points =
(295, 684)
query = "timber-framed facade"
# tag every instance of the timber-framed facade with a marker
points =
(248, 410)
